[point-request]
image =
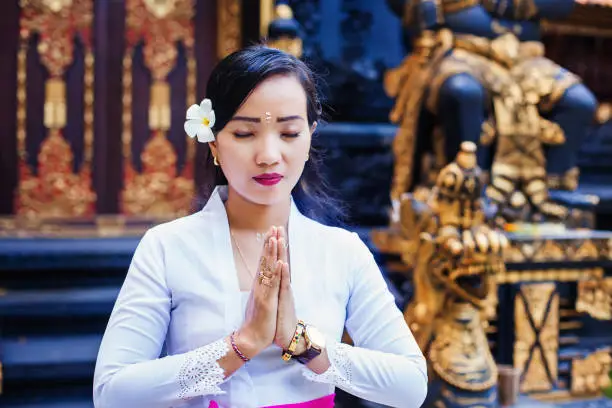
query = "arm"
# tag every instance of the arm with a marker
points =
(129, 372)
(386, 365)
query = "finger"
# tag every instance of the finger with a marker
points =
(268, 278)
(285, 277)
(282, 249)
(281, 232)
(276, 277)
(269, 234)
(264, 259)
(274, 250)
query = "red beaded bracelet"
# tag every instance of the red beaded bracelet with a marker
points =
(235, 347)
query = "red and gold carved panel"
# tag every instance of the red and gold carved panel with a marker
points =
(536, 320)
(49, 32)
(156, 32)
(229, 16)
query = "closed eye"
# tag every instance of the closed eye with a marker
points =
(242, 135)
(290, 135)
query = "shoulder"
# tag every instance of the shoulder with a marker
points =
(190, 227)
(338, 240)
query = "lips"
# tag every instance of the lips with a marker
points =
(268, 179)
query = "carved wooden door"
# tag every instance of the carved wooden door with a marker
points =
(94, 99)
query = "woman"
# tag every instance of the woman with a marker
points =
(249, 297)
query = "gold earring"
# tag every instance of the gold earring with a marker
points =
(307, 157)
(215, 161)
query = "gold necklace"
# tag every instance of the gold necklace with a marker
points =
(246, 265)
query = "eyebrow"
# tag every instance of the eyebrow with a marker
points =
(258, 120)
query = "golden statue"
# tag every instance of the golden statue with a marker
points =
(456, 256)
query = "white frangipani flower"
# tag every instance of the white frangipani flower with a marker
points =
(200, 120)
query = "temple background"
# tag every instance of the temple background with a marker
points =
(58, 279)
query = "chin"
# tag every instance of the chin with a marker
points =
(267, 195)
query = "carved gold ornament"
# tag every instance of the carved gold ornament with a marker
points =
(53, 189)
(229, 31)
(595, 298)
(158, 190)
(590, 375)
(160, 8)
(455, 258)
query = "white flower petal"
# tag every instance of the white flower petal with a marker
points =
(205, 135)
(192, 127)
(206, 106)
(194, 112)
(211, 118)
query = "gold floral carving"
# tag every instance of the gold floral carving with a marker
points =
(159, 190)
(53, 189)
(229, 32)
(536, 318)
(590, 375)
(595, 298)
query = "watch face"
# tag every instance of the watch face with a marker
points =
(315, 337)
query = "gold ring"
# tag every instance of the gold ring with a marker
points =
(264, 280)
(264, 267)
(263, 275)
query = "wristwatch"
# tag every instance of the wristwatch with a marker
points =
(315, 343)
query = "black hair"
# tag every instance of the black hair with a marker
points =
(233, 80)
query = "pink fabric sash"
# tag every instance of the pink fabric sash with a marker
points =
(324, 402)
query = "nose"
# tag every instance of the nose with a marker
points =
(268, 150)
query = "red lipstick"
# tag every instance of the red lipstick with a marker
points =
(268, 179)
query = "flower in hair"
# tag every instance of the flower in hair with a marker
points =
(200, 120)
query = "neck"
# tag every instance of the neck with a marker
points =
(246, 215)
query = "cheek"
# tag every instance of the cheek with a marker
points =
(232, 159)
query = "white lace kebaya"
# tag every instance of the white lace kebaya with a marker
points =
(181, 298)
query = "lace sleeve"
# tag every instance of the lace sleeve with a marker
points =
(201, 373)
(339, 372)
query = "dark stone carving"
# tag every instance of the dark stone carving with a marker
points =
(352, 75)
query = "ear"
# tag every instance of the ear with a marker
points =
(313, 127)
(213, 148)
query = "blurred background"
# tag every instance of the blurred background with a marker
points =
(93, 152)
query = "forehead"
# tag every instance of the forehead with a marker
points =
(279, 94)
